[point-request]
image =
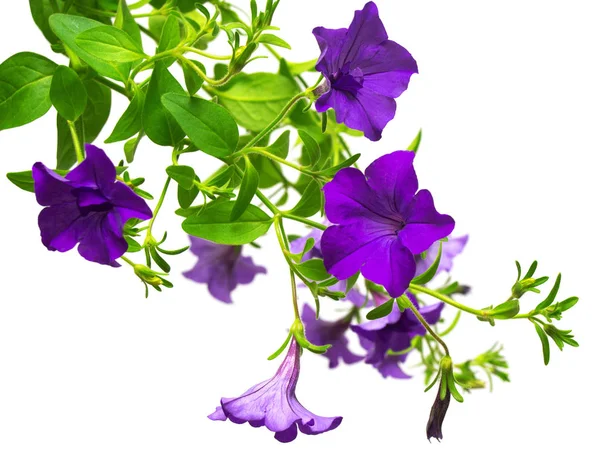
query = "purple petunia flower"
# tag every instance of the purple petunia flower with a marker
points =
(222, 267)
(273, 404)
(450, 249)
(383, 222)
(87, 206)
(365, 72)
(393, 332)
(322, 332)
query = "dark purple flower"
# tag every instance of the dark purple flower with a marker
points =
(393, 333)
(222, 267)
(383, 222)
(87, 206)
(321, 332)
(365, 72)
(437, 415)
(450, 249)
(273, 404)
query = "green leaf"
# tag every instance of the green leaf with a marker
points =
(193, 82)
(126, 22)
(41, 10)
(256, 99)
(298, 68)
(130, 122)
(381, 311)
(68, 94)
(109, 44)
(156, 257)
(347, 163)
(183, 175)
(274, 40)
(311, 146)
(314, 269)
(67, 27)
(25, 80)
(310, 202)
(210, 126)
(24, 180)
(281, 147)
(214, 224)
(169, 38)
(414, 146)
(545, 343)
(428, 274)
(551, 296)
(186, 198)
(160, 126)
(247, 190)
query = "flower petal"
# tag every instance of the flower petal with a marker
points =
(394, 179)
(50, 188)
(330, 42)
(61, 226)
(392, 265)
(102, 240)
(96, 170)
(221, 283)
(245, 270)
(366, 29)
(390, 368)
(128, 204)
(425, 225)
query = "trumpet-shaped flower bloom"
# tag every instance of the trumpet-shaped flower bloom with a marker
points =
(87, 206)
(364, 72)
(382, 222)
(221, 267)
(273, 404)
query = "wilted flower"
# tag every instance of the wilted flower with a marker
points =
(222, 267)
(450, 249)
(365, 72)
(87, 206)
(393, 332)
(437, 415)
(273, 404)
(321, 332)
(383, 222)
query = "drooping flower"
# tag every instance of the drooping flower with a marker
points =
(437, 415)
(88, 206)
(450, 249)
(222, 267)
(393, 333)
(364, 72)
(321, 332)
(273, 404)
(382, 222)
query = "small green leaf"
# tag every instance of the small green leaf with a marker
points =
(428, 274)
(214, 224)
(130, 123)
(298, 68)
(133, 245)
(186, 198)
(281, 146)
(67, 93)
(350, 282)
(24, 179)
(193, 82)
(169, 38)
(247, 190)
(210, 127)
(25, 80)
(107, 43)
(347, 163)
(311, 146)
(310, 202)
(126, 22)
(274, 40)
(314, 269)
(156, 257)
(183, 175)
(551, 296)
(545, 343)
(531, 270)
(160, 126)
(414, 146)
(382, 310)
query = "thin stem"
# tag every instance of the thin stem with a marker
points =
(76, 142)
(452, 325)
(205, 54)
(284, 248)
(446, 299)
(146, 64)
(303, 220)
(208, 80)
(112, 85)
(125, 259)
(157, 208)
(431, 331)
(147, 32)
(141, 3)
(285, 162)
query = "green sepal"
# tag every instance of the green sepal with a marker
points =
(414, 146)
(428, 274)
(545, 344)
(297, 331)
(278, 352)
(382, 310)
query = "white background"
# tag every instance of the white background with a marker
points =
(508, 97)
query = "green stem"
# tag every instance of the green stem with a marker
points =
(205, 54)
(157, 208)
(452, 325)
(76, 142)
(431, 331)
(141, 3)
(125, 259)
(146, 64)
(208, 80)
(284, 248)
(112, 85)
(285, 162)
(446, 299)
(303, 220)
(67, 5)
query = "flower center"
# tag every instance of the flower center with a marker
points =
(90, 200)
(347, 80)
